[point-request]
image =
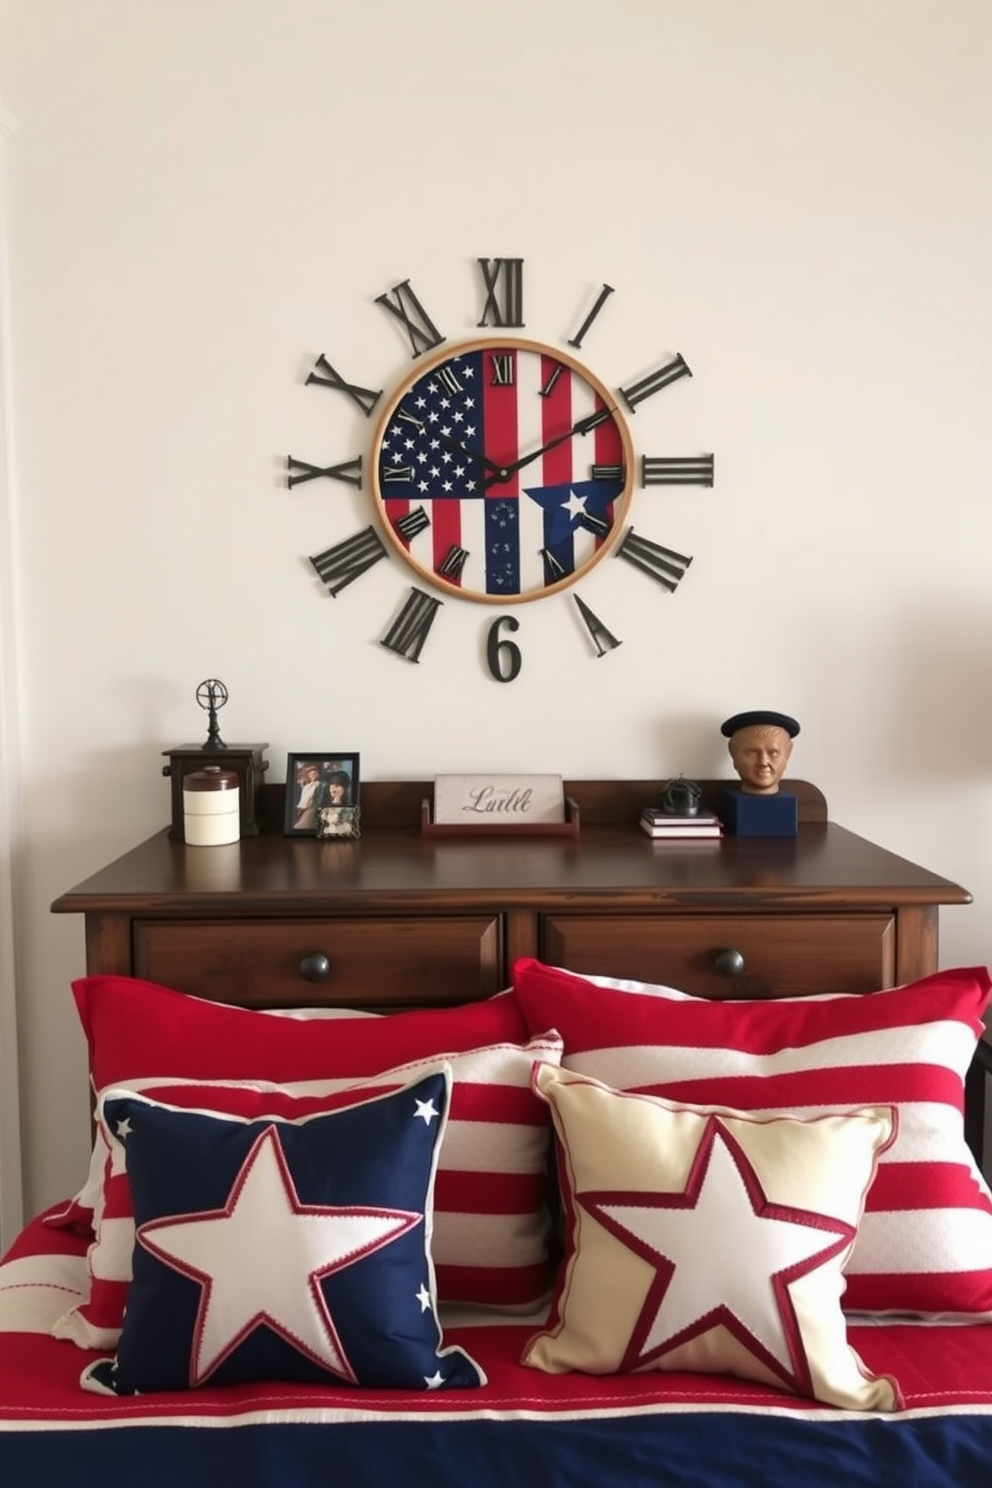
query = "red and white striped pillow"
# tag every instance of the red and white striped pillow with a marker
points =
(924, 1245)
(491, 1222)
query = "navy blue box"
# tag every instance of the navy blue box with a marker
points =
(745, 815)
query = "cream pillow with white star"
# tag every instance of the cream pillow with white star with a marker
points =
(707, 1239)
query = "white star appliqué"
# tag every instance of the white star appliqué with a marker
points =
(724, 1254)
(426, 1112)
(230, 1253)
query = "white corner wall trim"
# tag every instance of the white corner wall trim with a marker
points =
(11, 1192)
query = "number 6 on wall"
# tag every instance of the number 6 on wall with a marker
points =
(502, 656)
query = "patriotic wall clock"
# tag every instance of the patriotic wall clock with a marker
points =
(501, 470)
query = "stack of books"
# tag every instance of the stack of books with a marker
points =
(703, 827)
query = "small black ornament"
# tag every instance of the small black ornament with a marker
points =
(212, 695)
(681, 797)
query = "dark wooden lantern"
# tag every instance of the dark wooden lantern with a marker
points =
(246, 760)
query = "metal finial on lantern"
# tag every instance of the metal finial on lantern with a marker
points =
(212, 695)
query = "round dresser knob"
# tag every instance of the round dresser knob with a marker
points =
(314, 966)
(728, 962)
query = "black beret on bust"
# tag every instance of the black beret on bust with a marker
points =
(759, 716)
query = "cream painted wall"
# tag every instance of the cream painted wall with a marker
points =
(206, 194)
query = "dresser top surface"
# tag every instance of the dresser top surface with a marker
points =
(609, 866)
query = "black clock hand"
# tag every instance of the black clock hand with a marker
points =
(582, 426)
(472, 454)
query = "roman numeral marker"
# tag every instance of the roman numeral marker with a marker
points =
(410, 629)
(453, 563)
(326, 376)
(446, 377)
(672, 470)
(502, 368)
(412, 523)
(599, 525)
(603, 639)
(504, 275)
(298, 471)
(593, 420)
(604, 295)
(655, 381)
(410, 418)
(553, 377)
(661, 564)
(402, 303)
(339, 566)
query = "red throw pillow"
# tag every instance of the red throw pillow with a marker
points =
(925, 1242)
(491, 1221)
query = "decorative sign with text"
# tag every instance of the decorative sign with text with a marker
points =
(493, 800)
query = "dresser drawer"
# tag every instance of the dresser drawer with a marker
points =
(370, 963)
(783, 955)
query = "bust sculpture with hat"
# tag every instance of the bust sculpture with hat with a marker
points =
(760, 745)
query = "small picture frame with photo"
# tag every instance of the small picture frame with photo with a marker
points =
(338, 823)
(317, 781)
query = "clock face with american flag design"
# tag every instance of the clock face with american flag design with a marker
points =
(501, 470)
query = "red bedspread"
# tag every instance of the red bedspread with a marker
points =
(945, 1373)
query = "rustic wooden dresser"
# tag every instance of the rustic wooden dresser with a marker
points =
(398, 919)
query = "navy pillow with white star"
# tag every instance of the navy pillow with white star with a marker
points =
(274, 1249)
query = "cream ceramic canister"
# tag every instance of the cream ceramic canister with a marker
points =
(211, 807)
